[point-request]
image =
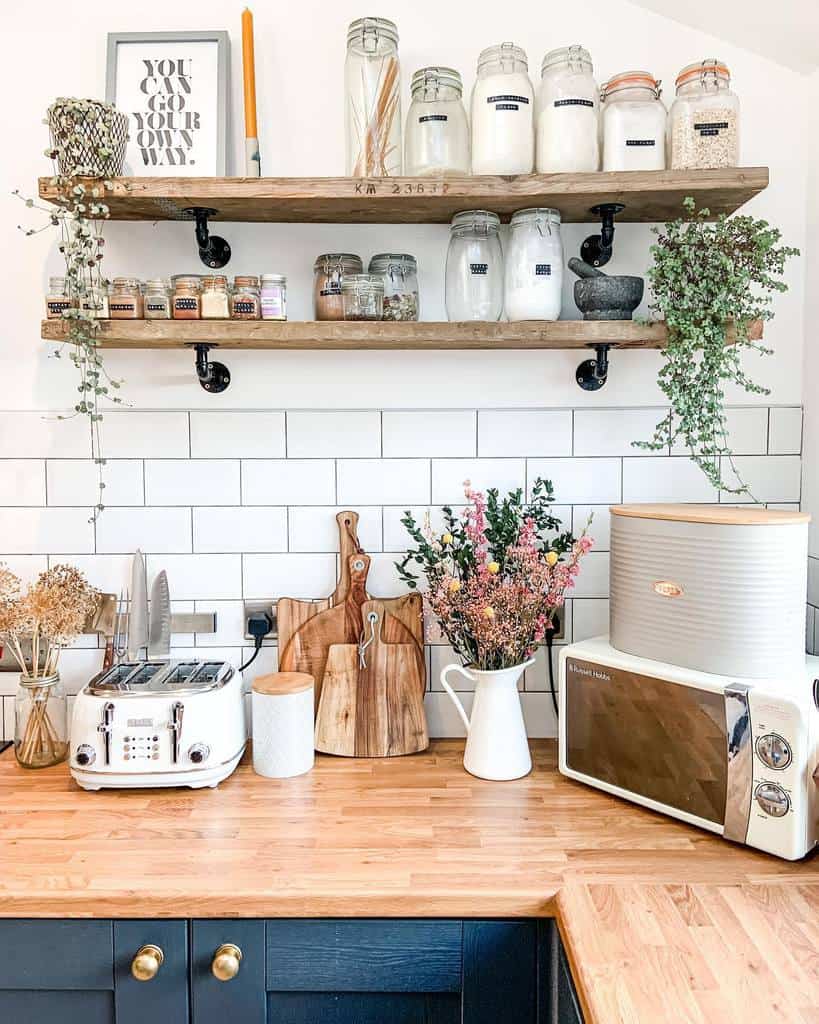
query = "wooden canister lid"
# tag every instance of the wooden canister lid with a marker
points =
(277, 684)
(722, 515)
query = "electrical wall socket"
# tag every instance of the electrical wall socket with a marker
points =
(253, 608)
(559, 620)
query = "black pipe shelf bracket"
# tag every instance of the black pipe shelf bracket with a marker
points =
(592, 374)
(214, 251)
(596, 249)
(213, 376)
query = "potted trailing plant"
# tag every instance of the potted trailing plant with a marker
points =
(495, 576)
(707, 277)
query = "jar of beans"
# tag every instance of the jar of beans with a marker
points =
(400, 274)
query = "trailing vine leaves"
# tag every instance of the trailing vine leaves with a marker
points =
(704, 276)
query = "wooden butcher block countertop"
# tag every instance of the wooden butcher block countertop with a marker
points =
(662, 922)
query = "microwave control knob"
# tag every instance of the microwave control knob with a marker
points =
(773, 751)
(199, 753)
(773, 799)
(85, 755)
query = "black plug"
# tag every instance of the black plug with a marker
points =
(259, 625)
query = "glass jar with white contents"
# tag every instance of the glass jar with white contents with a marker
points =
(503, 140)
(533, 276)
(704, 119)
(400, 274)
(372, 87)
(634, 123)
(436, 140)
(567, 110)
(474, 267)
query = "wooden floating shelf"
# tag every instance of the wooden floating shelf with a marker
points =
(350, 335)
(648, 196)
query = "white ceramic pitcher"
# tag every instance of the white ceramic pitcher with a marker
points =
(496, 744)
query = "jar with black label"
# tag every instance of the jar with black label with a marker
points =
(245, 300)
(503, 140)
(363, 296)
(533, 277)
(125, 299)
(704, 118)
(329, 271)
(157, 299)
(57, 299)
(634, 125)
(186, 302)
(436, 140)
(474, 267)
(400, 274)
(567, 126)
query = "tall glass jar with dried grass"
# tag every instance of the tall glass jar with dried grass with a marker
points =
(36, 626)
(372, 98)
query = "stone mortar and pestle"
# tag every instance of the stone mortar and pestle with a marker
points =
(599, 296)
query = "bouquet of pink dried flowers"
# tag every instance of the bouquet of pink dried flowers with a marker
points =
(496, 573)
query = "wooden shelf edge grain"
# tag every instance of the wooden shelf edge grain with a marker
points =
(382, 336)
(648, 196)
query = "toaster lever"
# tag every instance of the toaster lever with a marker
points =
(177, 711)
(105, 727)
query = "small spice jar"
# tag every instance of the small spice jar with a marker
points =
(40, 721)
(363, 296)
(125, 300)
(704, 118)
(329, 271)
(157, 299)
(95, 302)
(215, 299)
(186, 302)
(400, 275)
(57, 300)
(274, 297)
(245, 300)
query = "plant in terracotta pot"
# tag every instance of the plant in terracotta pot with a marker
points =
(495, 576)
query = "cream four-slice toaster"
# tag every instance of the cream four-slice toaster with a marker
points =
(167, 723)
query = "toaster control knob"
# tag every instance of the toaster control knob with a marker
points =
(773, 799)
(199, 753)
(85, 755)
(773, 751)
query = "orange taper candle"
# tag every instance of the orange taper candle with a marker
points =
(252, 159)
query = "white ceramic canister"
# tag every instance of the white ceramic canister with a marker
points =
(283, 724)
(503, 139)
(567, 106)
(533, 267)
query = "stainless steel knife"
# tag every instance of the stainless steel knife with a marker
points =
(159, 635)
(138, 619)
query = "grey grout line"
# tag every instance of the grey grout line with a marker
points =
(768, 432)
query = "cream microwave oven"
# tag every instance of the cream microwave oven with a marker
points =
(734, 756)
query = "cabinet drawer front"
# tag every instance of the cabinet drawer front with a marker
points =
(53, 955)
(364, 956)
(64, 1007)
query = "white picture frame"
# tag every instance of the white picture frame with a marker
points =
(173, 87)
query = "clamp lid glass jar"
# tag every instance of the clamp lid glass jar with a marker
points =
(363, 296)
(704, 118)
(634, 123)
(533, 275)
(157, 299)
(372, 102)
(125, 301)
(57, 299)
(567, 129)
(502, 116)
(436, 141)
(474, 267)
(400, 274)
(329, 271)
(245, 300)
(186, 302)
(215, 300)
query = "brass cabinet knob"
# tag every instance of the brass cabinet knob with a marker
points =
(146, 963)
(226, 961)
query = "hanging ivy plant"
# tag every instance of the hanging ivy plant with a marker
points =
(705, 277)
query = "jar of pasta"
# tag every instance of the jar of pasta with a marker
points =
(329, 271)
(704, 118)
(245, 300)
(186, 303)
(125, 301)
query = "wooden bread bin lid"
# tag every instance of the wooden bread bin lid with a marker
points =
(722, 515)
(278, 684)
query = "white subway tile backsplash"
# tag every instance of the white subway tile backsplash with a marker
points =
(584, 481)
(322, 434)
(785, 431)
(665, 479)
(600, 527)
(813, 581)
(75, 482)
(524, 432)
(24, 483)
(78, 666)
(593, 580)
(538, 715)
(768, 477)
(38, 531)
(396, 537)
(192, 482)
(810, 630)
(747, 431)
(442, 716)
(450, 475)
(230, 625)
(382, 481)
(42, 435)
(383, 579)
(428, 432)
(155, 529)
(590, 617)
(27, 567)
(108, 573)
(288, 482)
(201, 577)
(612, 431)
(240, 529)
(132, 434)
(313, 528)
(223, 434)
(289, 575)
(266, 661)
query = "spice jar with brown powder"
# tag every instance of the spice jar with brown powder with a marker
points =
(245, 301)
(186, 303)
(329, 271)
(125, 301)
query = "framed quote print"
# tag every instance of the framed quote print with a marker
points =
(173, 86)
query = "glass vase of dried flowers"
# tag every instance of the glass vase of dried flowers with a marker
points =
(36, 626)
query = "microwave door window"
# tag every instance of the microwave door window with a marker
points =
(650, 737)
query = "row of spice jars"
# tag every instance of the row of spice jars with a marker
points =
(388, 291)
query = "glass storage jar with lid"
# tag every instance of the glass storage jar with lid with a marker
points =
(157, 299)
(274, 297)
(436, 140)
(474, 267)
(634, 123)
(704, 118)
(245, 299)
(363, 296)
(567, 128)
(503, 139)
(186, 301)
(57, 299)
(95, 302)
(215, 300)
(329, 271)
(125, 299)
(533, 275)
(400, 275)
(372, 101)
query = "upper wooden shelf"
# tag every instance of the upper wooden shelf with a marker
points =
(648, 196)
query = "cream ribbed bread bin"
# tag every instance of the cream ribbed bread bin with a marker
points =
(714, 588)
(283, 724)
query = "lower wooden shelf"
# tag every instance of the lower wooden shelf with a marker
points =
(347, 335)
